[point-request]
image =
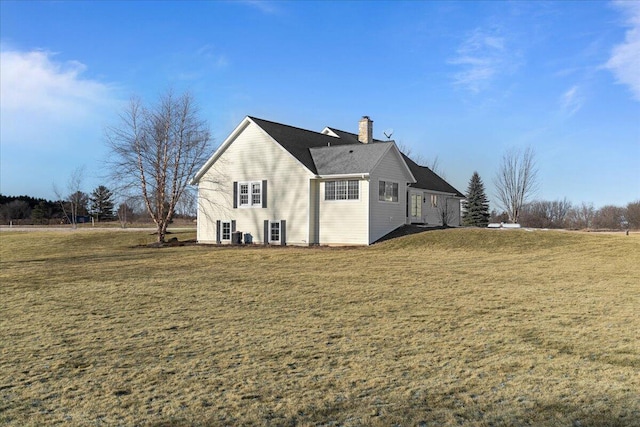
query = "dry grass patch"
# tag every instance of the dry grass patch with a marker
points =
(471, 327)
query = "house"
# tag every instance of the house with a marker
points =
(277, 184)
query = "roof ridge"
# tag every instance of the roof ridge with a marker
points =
(285, 125)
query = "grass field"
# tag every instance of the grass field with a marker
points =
(455, 327)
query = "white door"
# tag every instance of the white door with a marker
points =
(416, 207)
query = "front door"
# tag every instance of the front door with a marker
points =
(416, 207)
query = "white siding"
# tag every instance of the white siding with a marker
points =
(433, 215)
(455, 218)
(387, 216)
(344, 222)
(254, 156)
(314, 211)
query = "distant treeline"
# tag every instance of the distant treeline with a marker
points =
(563, 214)
(26, 210)
(97, 206)
(30, 210)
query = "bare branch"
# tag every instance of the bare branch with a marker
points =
(516, 181)
(156, 150)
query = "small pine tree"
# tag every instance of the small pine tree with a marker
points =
(102, 204)
(476, 206)
(39, 213)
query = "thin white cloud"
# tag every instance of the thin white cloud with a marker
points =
(265, 6)
(209, 53)
(624, 62)
(571, 101)
(42, 96)
(34, 82)
(482, 57)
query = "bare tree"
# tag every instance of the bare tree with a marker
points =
(581, 217)
(516, 181)
(125, 213)
(609, 217)
(156, 151)
(74, 201)
(632, 214)
(545, 213)
(422, 160)
(447, 211)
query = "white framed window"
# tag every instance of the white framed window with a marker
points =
(250, 194)
(243, 194)
(388, 191)
(274, 231)
(225, 230)
(434, 200)
(342, 190)
(256, 193)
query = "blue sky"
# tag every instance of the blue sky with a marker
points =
(460, 81)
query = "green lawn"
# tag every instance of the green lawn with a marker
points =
(457, 327)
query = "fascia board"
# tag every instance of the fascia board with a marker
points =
(223, 147)
(343, 176)
(444, 193)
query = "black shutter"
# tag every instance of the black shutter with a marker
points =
(218, 236)
(264, 193)
(235, 194)
(283, 232)
(233, 225)
(266, 232)
(407, 204)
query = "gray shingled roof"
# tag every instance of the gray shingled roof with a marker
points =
(425, 177)
(347, 159)
(428, 179)
(298, 141)
(348, 136)
(328, 155)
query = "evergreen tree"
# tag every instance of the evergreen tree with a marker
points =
(476, 206)
(102, 203)
(39, 213)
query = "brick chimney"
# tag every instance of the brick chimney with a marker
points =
(365, 130)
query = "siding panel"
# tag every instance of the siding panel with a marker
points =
(387, 216)
(253, 156)
(344, 222)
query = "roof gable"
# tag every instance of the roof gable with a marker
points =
(298, 141)
(216, 155)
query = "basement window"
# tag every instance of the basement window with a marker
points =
(225, 230)
(274, 231)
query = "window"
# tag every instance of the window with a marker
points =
(388, 191)
(226, 230)
(416, 205)
(342, 190)
(434, 201)
(250, 194)
(256, 193)
(274, 231)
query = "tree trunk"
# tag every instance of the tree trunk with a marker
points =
(161, 232)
